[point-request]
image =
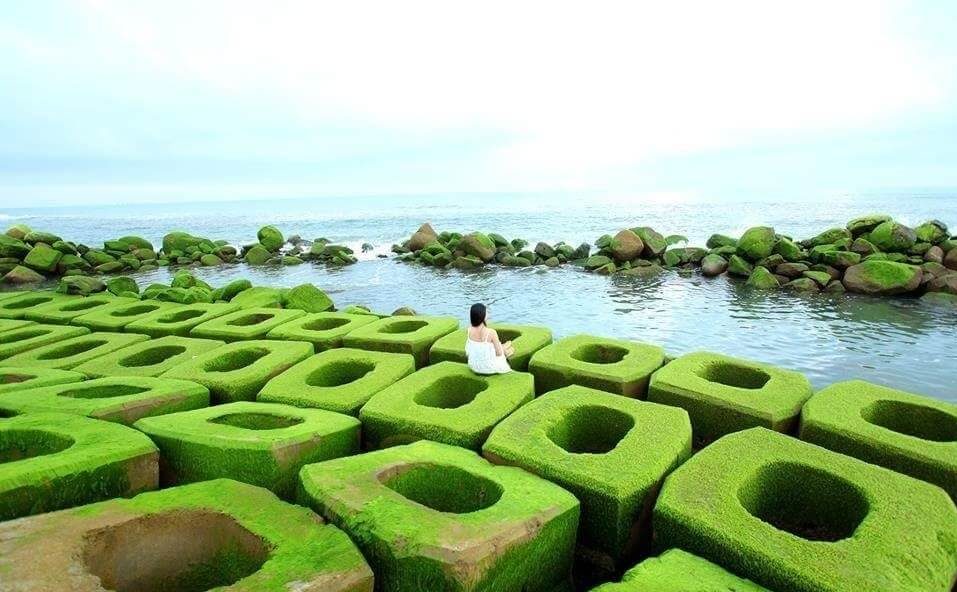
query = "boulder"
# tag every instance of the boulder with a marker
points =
(514, 261)
(882, 278)
(829, 237)
(582, 252)
(35, 236)
(210, 260)
(22, 275)
(893, 236)
(258, 255)
(713, 265)
(66, 248)
(544, 250)
(932, 231)
(950, 259)
(945, 283)
(719, 240)
(13, 247)
(83, 285)
(865, 224)
(422, 237)
(109, 267)
(835, 287)
(802, 285)
(181, 241)
(596, 261)
(552, 262)
(122, 284)
(498, 239)
(757, 243)
(789, 250)
(135, 242)
(42, 257)
(863, 247)
(655, 243)
(286, 260)
(762, 279)
(933, 268)
(942, 298)
(404, 311)
(307, 297)
(18, 231)
(230, 290)
(625, 246)
(840, 259)
(642, 271)
(934, 254)
(739, 267)
(821, 277)
(478, 245)
(97, 257)
(271, 238)
(791, 270)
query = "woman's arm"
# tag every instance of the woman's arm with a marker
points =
(499, 350)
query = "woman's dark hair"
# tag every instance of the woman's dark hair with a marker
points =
(477, 314)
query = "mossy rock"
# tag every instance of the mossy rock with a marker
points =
(324, 330)
(428, 516)
(308, 298)
(18, 304)
(262, 444)
(340, 380)
(119, 399)
(840, 259)
(586, 441)
(613, 365)
(422, 237)
(865, 224)
(713, 265)
(20, 275)
(625, 246)
(271, 238)
(739, 267)
(245, 324)
(762, 279)
(908, 433)
(69, 353)
(478, 245)
(18, 231)
(596, 261)
(53, 461)
(120, 285)
(515, 261)
(257, 255)
(259, 297)
(883, 278)
(445, 402)
(757, 243)
(179, 320)
(120, 313)
(13, 378)
(526, 340)
(402, 335)
(774, 509)
(23, 339)
(148, 358)
(42, 257)
(216, 535)
(829, 237)
(932, 231)
(723, 394)
(80, 284)
(238, 371)
(941, 298)
(234, 287)
(678, 571)
(822, 278)
(12, 247)
(892, 236)
(655, 244)
(63, 312)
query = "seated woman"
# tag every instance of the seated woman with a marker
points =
(486, 354)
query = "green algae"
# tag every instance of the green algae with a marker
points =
(613, 365)
(678, 571)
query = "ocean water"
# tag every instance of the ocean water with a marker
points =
(899, 342)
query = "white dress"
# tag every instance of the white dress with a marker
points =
(482, 358)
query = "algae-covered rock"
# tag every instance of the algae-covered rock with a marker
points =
(882, 278)
(478, 245)
(36, 236)
(596, 261)
(13, 247)
(642, 271)
(757, 243)
(552, 262)
(789, 250)
(514, 261)
(893, 236)
(234, 287)
(271, 238)
(498, 239)
(404, 311)
(181, 241)
(841, 259)
(932, 231)
(96, 257)
(655, 243)
(713, 265)
(944, 283)
(80, 284)
(865, 224)
(290, 260)
(309, 298)
(716, 241)
(122, 284)
(544, 250)
(791, 270)
(863, 247)
(821, 277)
(22, 275)
(42, 257)
(626, 245)
(210, 260)
(739, 267)
(18, 231)
(257, 255)
(802, 285)
(762, 279)
(950, 259)
(829, 237)
(259, 297)
(422, 237)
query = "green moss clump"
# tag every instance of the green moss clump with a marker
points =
(120, 313)
(757, 243)
(587, 441)
(324, 330)
(402, 335)
(245, 324)
(429, 516)
(678, 571)
(447, 403)
(51, 461)
(613, 365)
(70, 353)
(180, 320)
(19, 304)
(148, 358)
(308, 298)
(13, 378)
(16, 341)
(340, 380)
(526, 340)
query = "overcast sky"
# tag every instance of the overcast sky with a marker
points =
(104, 101)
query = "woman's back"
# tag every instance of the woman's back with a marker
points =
(480, 352)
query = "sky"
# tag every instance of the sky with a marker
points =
(107, 101)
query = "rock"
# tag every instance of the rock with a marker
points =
(544, 250)
(596, 261)
(478, 245)
(42, 257)
(404, 311)
(716, 241)
(642, 271)
(83, 285)
(831, 271)
(739, 267)
(789, 250)
(18, 231)
(893, 236)
(367, 247)
(935, 269)
(725, 252)
(950, 259)
(135, 242)
(942, 298)
(73, 262)
(66, 248)
(673, 257)
(183, 279)
(307, 297)
(109, 267)
(423, 236)
(515, 261)
(713, 265)
(762, 279)
(865, 224)
(607, 269)
(36, 236)
(13, 247)
(626, 246)
(265, 297)
(498, 240)
(271, 238)
(552, 262)
(230, 290)
(945, 283)
(530, 256)
(210, 260)
(582, 252)
(882, 278)
(863, 247)
(181, 241)
(934, 254)
(932, 231)
(829, 237)
(834, 287)
(518, 244)
(802, 285)
(841, 259)
(286, 260)
(604, 241)
(771, 261)
(791, 270)
(757, 243)
(22, 275)
(821, 277)
(655, 243)
(257, 255)
(119, 285)
(97, 257)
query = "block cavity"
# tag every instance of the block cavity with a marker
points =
(403, 334)
(148, 358)
(116, 316)
(180, 320)
(324, 330)
(16, 306)
(16, 341)
(63, 312)
(70, 353)
(242, 325)
(13, 378)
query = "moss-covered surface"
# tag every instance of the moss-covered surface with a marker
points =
(446, 402)
(62, 313)
(245, 324)
(588, 441)
(180, 320)
(222, 535)
(70, 353)
(10, 324)
(238, 371)
(340, 380)
(678, 571)
(613, 365)
(148, 358)
(18, 305)
(908, 433)
(324, 330)
(402, 334)
(51, 461)
(724, 394)
(526, 340)
(16, 341)
(263, 444)
(429, 516)
(117, 399)
(793, 516)
(13, 378)
(120, 313)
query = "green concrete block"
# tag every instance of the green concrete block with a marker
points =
(51, 461)
(117, 399)
(340, 380)
(429, 516)
(402, 334)
(148, 358)
(263, 444)
(588, 441)
(324, 330)
(15, 307)
(238, 371)
(17, 341)
(526, 340)
(908, 433)
(678, 571)
(793, 516)
(446, 403)
(181, 320)
(11, 324)
(724, 394)
(613, 365)
(13, 378)
(217, 535)
(63, 313)
(245, 324)
(70, 353)
(116, 316)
